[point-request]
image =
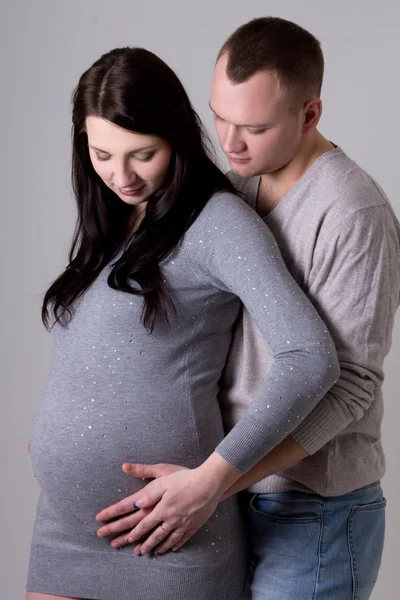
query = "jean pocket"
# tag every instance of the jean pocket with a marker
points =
(366, 534)
(288, 509)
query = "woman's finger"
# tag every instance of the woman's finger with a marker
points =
(146, 498)
(122, 507)
(185, 538)
(147, 527)
(155, 539)
(123, 540)
(170, 541)
(128, 522)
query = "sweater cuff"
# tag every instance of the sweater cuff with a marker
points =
(325, 421)
(248, 442)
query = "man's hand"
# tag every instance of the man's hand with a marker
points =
(140, 471)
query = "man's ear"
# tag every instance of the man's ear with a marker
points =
(312, 111)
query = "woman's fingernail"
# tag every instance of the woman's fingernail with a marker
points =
(130, 540)
(137, 504)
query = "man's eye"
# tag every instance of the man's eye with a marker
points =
(256, 131)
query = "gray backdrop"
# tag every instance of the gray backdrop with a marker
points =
(45, 46)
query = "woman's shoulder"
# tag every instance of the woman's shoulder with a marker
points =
(225, 225)
(224, 209)
(224, 200)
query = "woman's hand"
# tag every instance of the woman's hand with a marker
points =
(181, 503)
(131, 520)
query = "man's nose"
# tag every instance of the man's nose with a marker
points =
(232, 142)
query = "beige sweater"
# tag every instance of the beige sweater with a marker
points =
(341, 241)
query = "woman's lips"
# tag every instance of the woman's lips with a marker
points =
(128, 192)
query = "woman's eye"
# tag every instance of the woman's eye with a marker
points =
(146, 158)
(102, 158)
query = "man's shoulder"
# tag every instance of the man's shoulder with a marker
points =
(333, 192)
(245, 186)
(345, 197)
(236, 179)
(345, 187)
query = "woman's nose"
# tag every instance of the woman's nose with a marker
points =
(124, 176)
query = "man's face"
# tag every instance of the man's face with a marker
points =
(256, 129)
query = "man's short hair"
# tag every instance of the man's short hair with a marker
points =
(282, 47)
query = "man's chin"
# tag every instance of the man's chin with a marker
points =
(243, 169)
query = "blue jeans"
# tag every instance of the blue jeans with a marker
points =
(309, 547)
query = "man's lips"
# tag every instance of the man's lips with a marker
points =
(238, 160)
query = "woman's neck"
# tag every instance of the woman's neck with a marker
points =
(136, 217)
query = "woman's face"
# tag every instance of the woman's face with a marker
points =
(131, 164)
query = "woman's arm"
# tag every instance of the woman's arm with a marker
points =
(238, 255)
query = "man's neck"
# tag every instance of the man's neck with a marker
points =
(274, 186)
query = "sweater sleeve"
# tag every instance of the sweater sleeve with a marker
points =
(355, 285)
(233, 249)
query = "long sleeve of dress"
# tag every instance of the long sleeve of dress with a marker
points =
(231, 248)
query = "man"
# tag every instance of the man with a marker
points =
(317, 515)
(317, 527)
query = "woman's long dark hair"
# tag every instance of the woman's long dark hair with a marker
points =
(133, 88)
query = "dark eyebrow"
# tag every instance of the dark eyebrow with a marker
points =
(133, 151)
(260, 126)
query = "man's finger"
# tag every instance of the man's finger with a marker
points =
(150, 494)
(141, 471)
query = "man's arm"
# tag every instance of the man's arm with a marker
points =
(284, 455)
(355, 286)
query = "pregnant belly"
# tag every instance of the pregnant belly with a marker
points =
(81, 437)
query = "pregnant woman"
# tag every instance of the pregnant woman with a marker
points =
(163, 255)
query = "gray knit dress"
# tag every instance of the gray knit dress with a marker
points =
(117, 394)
